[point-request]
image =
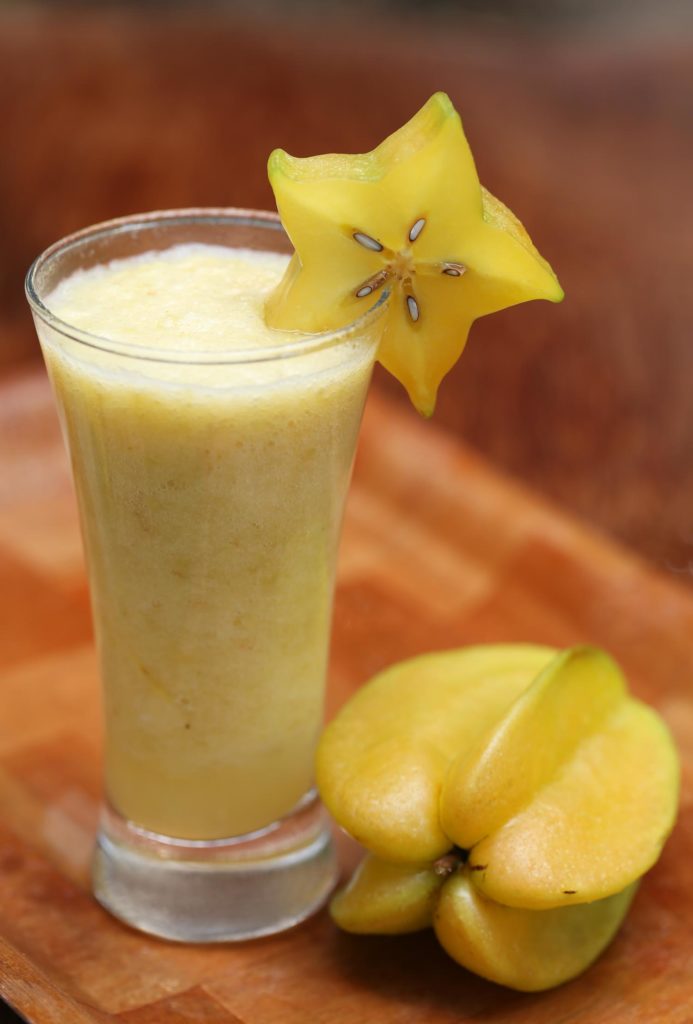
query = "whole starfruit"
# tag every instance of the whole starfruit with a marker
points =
(510, 796)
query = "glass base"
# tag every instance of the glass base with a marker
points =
(221, 890)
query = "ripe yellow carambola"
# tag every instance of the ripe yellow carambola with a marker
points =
(409, 218)
(500, 793)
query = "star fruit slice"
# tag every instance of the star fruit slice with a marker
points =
(570, 796)
(529, 950)
(409, 218)
(382, 761)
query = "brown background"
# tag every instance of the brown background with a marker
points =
(582, 126)
(580, 115)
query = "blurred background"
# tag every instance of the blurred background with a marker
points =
(579, 112)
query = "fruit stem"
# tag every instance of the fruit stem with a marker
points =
(450, 862)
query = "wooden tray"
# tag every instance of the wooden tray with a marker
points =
(438, 551)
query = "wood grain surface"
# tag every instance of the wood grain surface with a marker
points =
(439, 550)
(585, 133)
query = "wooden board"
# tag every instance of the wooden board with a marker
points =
(438, 551)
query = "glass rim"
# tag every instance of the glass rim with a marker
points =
(305, 344)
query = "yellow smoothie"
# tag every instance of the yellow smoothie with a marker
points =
(211, 496)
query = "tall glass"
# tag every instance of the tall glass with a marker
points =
(211, 490)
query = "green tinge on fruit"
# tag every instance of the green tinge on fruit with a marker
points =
(529, 950)
(382, 761)
(387, 899)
